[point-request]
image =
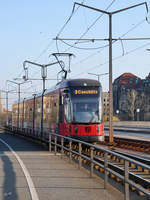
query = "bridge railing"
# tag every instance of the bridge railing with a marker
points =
(129, 178)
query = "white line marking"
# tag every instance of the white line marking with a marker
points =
(32, 189)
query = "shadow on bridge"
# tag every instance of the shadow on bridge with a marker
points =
(8, 176)
(22, 144)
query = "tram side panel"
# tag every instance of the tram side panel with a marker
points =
(14, 115)
(37, 115)
(28, 114)
(51, 112)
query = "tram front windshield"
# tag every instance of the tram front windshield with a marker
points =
(86, 111)
(84, 108)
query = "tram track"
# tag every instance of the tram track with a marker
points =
(137, 174)
(135, 157)
(128, 143)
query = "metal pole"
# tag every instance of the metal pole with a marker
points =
(91, 159)
(50, 142)
(62, 146)
(80, 152)
(18, 105)
(44, 67)
(42, 110)
(43, 84)
(23, 115)
(70, 149)
(7, 107)
(105, 169)
(55, 144)
(126, 177)
(33, 125)
(111, 139)
(7, 111)
(18, 98)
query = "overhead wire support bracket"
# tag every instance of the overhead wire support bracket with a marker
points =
(115, 12)
(100, 39)
(82, 39)
(43, 69)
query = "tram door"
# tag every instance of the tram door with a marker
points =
(64, 114)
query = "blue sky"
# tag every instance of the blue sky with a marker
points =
(27, 29)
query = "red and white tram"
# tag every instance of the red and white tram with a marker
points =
(71, 108)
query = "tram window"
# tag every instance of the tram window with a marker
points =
(68, 109)
(85, 107)
(88, 112)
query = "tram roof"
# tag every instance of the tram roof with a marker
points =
(74, 83)
(69, 83)
(79, 82)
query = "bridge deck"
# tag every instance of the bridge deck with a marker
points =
(28, 171)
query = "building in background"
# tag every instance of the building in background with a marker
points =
(131, 97)
(105, 106)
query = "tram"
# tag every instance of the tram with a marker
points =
(71, 108)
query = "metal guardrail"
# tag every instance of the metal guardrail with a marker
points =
(58, 141)
(53, 138)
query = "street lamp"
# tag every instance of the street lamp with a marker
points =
(98, 75)
(138, 114)
(117, 112)
(18, 97)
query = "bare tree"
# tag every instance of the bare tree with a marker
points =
(131, 99)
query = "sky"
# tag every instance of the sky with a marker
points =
(28, 29)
